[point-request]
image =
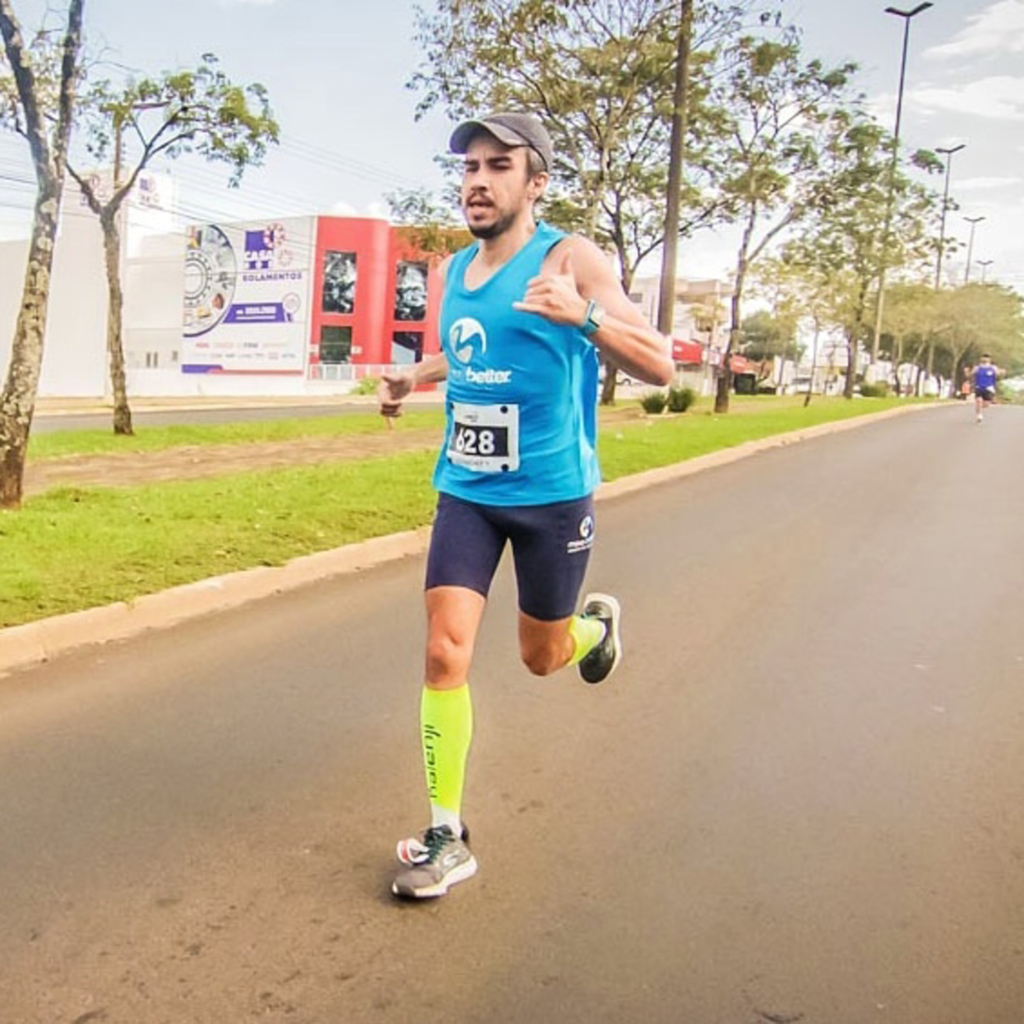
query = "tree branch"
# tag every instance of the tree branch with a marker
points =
(87, 190)
(25, 80)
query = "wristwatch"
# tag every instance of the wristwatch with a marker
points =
(593, 318)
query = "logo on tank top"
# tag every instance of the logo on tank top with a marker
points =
(468, 341)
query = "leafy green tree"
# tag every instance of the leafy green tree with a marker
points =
(775, 113)
(37, 100)
(845, 237)
(188, 111)
(974, 319)
(768, 337)
(907, 324)
(602, 76)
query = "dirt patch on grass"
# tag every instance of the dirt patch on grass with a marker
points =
(193, 462)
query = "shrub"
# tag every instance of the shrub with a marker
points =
(365, 386)
(680, 399)
(879, 390)
(654, 402)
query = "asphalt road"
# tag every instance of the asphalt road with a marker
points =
(799, 800)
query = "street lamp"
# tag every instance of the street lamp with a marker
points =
(906, 16)
(948, 153)
(984, 264)
(974, 222)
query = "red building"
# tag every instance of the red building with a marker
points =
(375, 297)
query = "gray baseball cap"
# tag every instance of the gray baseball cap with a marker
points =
(509, 129)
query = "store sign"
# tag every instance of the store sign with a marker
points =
(247, 297)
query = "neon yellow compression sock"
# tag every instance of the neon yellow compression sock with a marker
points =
(586, 635)
(446, 718)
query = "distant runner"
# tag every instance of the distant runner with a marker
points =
(526, 309)
(985, 375)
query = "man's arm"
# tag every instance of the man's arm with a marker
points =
(575, 272)
(394, 387)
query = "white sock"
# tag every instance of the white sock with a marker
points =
(443, 816)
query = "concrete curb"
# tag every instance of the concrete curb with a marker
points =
(37, 642)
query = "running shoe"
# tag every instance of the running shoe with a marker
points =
(441, 861)
(597, 665)
(412, 850)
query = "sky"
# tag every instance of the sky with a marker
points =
(336, 72)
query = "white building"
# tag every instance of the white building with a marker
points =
(74, 352)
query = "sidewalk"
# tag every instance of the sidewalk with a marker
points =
(84, 406)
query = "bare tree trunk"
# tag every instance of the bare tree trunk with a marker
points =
(17, 402)
(735, 306)
(667, 286)
(611, 368)
(897, 359)
(814, 364)
(724, 384)
(852, 342)
(115, 306)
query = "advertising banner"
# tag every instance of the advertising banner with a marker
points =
(247, 296)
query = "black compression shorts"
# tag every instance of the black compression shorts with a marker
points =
(550, 546)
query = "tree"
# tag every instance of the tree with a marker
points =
(602, 76)
(774, 111)
(974, 319)
(844, 239)
(766, 337)
(40, 107)
(188, 111)
(774, 332)
(906, 320)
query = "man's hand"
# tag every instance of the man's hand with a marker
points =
(390, 392)
(554, 296)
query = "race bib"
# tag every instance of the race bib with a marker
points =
(485, 438)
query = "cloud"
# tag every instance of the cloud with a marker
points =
(983, 184)
(997, 29)
(999, 98)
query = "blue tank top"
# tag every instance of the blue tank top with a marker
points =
(522, 392)
(985, 376)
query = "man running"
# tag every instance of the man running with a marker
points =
(985, 375)
(526, 309)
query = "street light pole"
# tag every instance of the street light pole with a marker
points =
(984, 264)
(948, 153)
(974, 222)
(883, 265)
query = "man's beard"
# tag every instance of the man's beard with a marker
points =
(488, 231)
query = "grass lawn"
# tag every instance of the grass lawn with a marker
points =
(74, 548)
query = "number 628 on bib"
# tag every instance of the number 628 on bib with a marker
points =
(485, 438)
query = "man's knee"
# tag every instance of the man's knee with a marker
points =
(543, 659)
(448, 655)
